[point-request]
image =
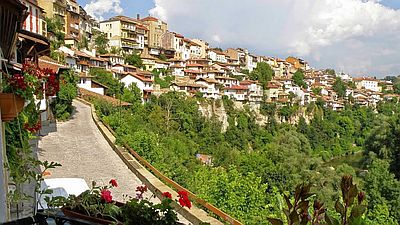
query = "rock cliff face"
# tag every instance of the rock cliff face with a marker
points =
(216, 109)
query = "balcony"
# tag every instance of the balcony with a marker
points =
(128, 28)
(60, 3)
(126, 45)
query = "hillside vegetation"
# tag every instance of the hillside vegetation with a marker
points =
(252, 166)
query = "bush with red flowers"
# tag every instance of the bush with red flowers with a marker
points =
(33, 128)
(32, 83)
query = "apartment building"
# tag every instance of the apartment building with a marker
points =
(72, 19)
(121, 31)
(204, 46)
(156, 29)
(55, 9)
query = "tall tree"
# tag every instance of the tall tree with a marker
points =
(263, 73)
(101, 42)
(340, 87)
(134, 60)
(298, 79)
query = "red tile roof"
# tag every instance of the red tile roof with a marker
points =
(150, 18)
(195, 65)
(47, 62)
(236, 87)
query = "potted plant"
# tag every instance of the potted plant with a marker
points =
(17, 89)
(94, 205)
(27, 86)
(97, 205)
(10, 105)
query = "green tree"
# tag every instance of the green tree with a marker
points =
(134, 60)
(383, 191)
(101, 42)
(396, 85)
(330, 72)
(62, 106)
(132, 94)
(163, 57)
(298, 79)
(340, 87)
(263, 73)
(105, 77)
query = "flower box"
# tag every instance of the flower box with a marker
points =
(68, 212)
(10, 105)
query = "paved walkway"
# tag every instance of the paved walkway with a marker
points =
(83, 152)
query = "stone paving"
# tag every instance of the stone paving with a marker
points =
(83, 153)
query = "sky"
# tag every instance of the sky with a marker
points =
(359, 37)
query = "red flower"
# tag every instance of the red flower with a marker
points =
(184, 199)
(106, 195)
(113, 183)
(141, 188)
(167, 195)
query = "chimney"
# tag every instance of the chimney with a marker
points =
(138, 16)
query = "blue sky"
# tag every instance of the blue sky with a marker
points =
(359, 37)
(130, 7)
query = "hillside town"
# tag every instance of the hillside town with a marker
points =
(123, 119)
(196, 68)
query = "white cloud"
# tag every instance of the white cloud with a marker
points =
(98, 8)
(357, 36)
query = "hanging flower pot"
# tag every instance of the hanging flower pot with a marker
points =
(10, 105)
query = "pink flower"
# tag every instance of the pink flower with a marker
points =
(113, 183)
(106, 195)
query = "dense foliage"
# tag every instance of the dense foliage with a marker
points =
(298, 79)
(252, 165)
(62, 106)
(263, 73)
(134, 60)
(101, 42)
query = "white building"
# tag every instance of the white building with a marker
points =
(143, 80)
(87, 83)
(217, 56)
(210, 88)
(113, 59)
(367, 83)
(238, 93)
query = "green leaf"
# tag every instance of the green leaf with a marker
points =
(331, 221)
(339, 207)
(358, 210)
(275, 221)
